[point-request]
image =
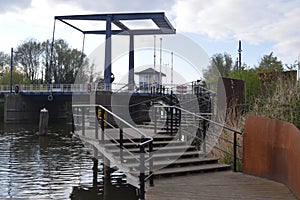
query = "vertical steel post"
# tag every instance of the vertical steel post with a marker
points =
(58, 66)
(107, 62)
(172, 119)
(234, 151)
(11, 68)
(121, 145)
(155, 120)
(96, 124)
(83, 120)
(151, 180)
(102, 125)
(131, 63)
(179, 123)
(95, 171)
(142, 171)
(203, 135)
(51, 57)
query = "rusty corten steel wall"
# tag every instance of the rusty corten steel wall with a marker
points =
(271, 149)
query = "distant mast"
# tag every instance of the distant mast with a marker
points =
(160, 62)
(154, 61)
(298, 69)
(240, 55)
(172, 65)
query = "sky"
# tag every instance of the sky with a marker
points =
(217, 25)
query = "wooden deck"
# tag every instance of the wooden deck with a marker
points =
(218, 185)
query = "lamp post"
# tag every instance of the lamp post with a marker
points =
(160, 63)
(11, 69)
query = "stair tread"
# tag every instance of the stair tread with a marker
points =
(154, 143)
(166, 148)
(178, 161)
(194, 168)
(173, 154)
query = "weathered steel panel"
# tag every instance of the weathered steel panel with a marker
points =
(271, 149)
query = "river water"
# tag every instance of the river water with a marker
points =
(56, 166)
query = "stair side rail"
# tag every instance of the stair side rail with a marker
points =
(202, 126)
(81, 116)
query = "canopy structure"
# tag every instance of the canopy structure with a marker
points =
(163, 26)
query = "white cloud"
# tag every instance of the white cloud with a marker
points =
(34, 18)
(253, 21)
(8, 5)
(120, 6)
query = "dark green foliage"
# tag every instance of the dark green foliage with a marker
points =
(269, 64)
(33, 59)
(220, 65)
(28, 57)
(251, 81)
(18, 78)
(4, 61)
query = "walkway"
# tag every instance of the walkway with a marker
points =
(218, 185)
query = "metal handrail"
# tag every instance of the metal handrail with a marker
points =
(235, 132)
(119, 118)
(144, 140)
(209, 120)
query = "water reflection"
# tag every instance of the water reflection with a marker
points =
(55, 166)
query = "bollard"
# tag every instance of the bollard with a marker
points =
(95, 172)
(43, 124)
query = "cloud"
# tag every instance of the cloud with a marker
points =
(13, 5)
(253, 21)
(120, 6)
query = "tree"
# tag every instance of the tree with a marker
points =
(220, 65)
(4, 61)
(18, 78)
(269, 70)
(270, 63)
(251, 79)
(46, 52)
(67, 63)
(28, 55)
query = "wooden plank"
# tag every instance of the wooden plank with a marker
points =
(215, 186)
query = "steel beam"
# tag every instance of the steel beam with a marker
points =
(107, 62)
(131, 63)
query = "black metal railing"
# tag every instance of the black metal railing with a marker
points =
(201, 124)
(109, 122)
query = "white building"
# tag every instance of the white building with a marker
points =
(149, 77)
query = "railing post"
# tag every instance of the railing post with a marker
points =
(151, 181)
(121, 145)
(96, 124)
(155, 120)
(142, 171)
(83, 120)
(179, 125)
(171, 110)
(234, 151)
(172, 119)
(203, 135)
(102, 125)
